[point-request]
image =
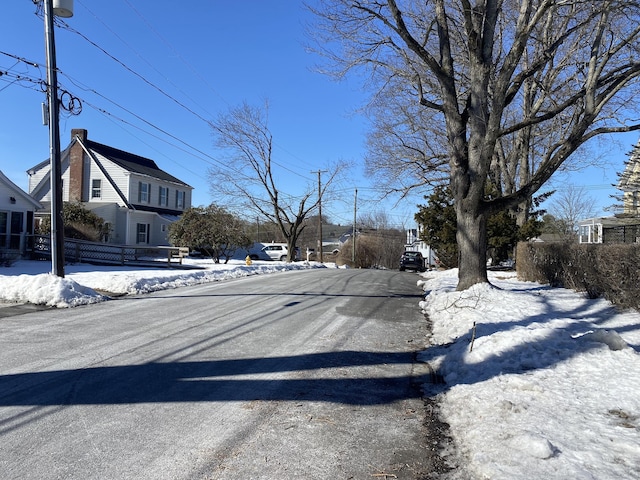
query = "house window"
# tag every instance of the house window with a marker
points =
(142, 230)
(584, 233)
(180, 196)
(144, 192)
(96, 188)
(163, 197)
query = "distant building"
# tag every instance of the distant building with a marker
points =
(415, 244)
(135, 198)
(623, 227)
(610, 230)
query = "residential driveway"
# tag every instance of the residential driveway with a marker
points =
(306, 374)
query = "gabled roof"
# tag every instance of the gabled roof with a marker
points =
(131, 162)
(18, 191)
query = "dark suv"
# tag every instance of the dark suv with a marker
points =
(412, 261)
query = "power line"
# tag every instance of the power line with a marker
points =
(71, 100)
(189, 66)
(133, 72)
(176, 53)
(160, 90)
(141, 57)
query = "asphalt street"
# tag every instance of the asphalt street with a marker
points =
(302, 374)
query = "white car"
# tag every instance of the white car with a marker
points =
(279, 251)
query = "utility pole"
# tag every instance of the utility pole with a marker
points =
(319, 172)
(353, 230)
(62, 8)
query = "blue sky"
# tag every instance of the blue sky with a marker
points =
(208, 55)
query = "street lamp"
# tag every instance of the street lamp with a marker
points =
(61, 8)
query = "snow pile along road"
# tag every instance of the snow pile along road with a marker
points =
(26, 282)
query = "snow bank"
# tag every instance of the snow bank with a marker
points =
(541, 383)
(24, 282)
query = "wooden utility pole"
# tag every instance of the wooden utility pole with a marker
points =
(353, 229)
(319, 172)
(57, 227)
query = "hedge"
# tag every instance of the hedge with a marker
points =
(599, 270)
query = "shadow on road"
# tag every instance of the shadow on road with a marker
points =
(350, 377)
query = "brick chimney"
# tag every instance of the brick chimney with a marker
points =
(76, 167)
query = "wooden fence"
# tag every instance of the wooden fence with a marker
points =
(81, 251)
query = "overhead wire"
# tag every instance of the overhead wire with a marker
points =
(203, 156)
(142, 57)
(66, 26)
(70, 105)
(198, 75)
(175, 52)
(212, 160)
(73, 100)
(34, 82)
(132, 71)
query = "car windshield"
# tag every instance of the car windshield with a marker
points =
(411, 254)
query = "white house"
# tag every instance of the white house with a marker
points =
(16, 215)
(415, 244)
(623, 227)
(610, 230)
(136, 199)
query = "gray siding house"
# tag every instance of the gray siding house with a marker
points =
(136, 199)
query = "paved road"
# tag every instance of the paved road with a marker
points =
(305, 374)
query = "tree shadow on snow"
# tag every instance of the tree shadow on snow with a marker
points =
(535, 353)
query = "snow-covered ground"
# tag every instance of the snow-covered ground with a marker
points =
(546, 386)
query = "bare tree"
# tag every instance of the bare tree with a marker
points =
(570, 205)
(514, 87)
(248, 182)
(383, 243)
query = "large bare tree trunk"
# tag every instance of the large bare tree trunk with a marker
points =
(472, 244)
(517, 86)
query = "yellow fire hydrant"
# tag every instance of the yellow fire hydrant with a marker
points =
(247, 260)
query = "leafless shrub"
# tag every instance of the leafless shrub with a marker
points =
(600, 271)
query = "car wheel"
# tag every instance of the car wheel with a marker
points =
(283, 258)
(254, 257)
